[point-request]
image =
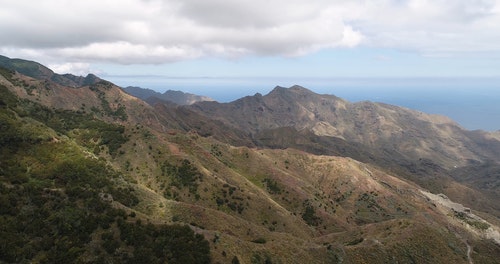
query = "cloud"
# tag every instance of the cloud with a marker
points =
(77, 68)
(125, 52)
(432, 26)
(161, 31)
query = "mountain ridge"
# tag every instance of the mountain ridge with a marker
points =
(420, 147)
(368, 123)
(264, 183)
(152, 97)
(39, 71)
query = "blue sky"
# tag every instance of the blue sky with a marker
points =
(342, 62)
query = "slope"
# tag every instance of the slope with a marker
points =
(253, 205)
(60, 203)
(176, 97)
(40, 72)
(410, 133)
(426, 149)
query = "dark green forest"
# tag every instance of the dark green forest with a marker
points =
(57, 200)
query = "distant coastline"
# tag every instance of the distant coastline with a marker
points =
(472, 102)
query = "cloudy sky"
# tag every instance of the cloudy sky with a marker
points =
(234, 38)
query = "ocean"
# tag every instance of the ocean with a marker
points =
(474, 103)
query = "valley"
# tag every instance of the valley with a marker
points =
(287, 177)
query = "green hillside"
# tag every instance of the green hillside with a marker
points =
(61, 204)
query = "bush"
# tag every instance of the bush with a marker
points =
(272, 186)
(259, 240)
(183, 175)
(310, 217)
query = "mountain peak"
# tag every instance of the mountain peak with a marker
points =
(295, 89)
(297, 93)
(299, 88)
(40, 72)
(29, 68)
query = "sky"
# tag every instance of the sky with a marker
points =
(257, 38)
(218, 44)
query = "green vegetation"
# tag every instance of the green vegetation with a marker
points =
(370, 211)
(272, 186)
(355, 242)
(87, 130)
(215, 150)
(259, 240)
(261, 258)
(125, 196)
(474, 223)
(183, 175)
(7, 73)
(310, 216)
(119, 113)
(55, 205)
(235, 260)
(478, 224)
(164, 244)
(230, 198)
(25, 67)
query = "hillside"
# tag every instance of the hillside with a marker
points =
(424, 148)
(40, 72)
(101, 176)
(176, 97)
(411, 133)
(60, 203)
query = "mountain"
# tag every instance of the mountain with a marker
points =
(40, 72)
(96, 175)
(421, 147)
(176, 97)
(410, 133)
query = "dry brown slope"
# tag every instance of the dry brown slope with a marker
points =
(103, 99)
(355, 207)
(409, 133)
(428, 149)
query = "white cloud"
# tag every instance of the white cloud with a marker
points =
(159, 31)
(77, 68)
(125, 52)
(351, 38)
(432, 26)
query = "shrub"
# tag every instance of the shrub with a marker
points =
(259, 240)
(310, 217)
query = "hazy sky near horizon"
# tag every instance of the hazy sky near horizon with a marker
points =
(264, 38)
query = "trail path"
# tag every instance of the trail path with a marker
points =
(469, 250)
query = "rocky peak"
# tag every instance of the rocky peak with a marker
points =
(294, 90)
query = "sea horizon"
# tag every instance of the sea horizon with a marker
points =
(473, 102)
